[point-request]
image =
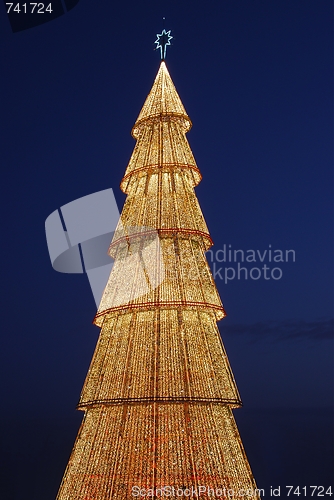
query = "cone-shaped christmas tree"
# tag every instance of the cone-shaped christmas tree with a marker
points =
(159, 391)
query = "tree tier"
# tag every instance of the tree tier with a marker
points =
(162, 143)
(121, 449)
(162, 201)
(153, 270)
(160, 355)
(190, 172)
(163, 100)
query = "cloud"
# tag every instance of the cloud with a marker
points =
(320, 329)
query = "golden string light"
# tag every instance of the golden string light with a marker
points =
(159, 392)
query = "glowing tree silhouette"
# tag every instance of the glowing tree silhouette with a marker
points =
(159, 392)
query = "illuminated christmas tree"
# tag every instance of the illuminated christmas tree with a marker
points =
(159, 393)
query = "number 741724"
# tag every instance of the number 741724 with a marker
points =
(30, 8)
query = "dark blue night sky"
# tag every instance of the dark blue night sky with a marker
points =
(255, 77)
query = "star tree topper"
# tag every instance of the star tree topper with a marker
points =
(162, 41)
